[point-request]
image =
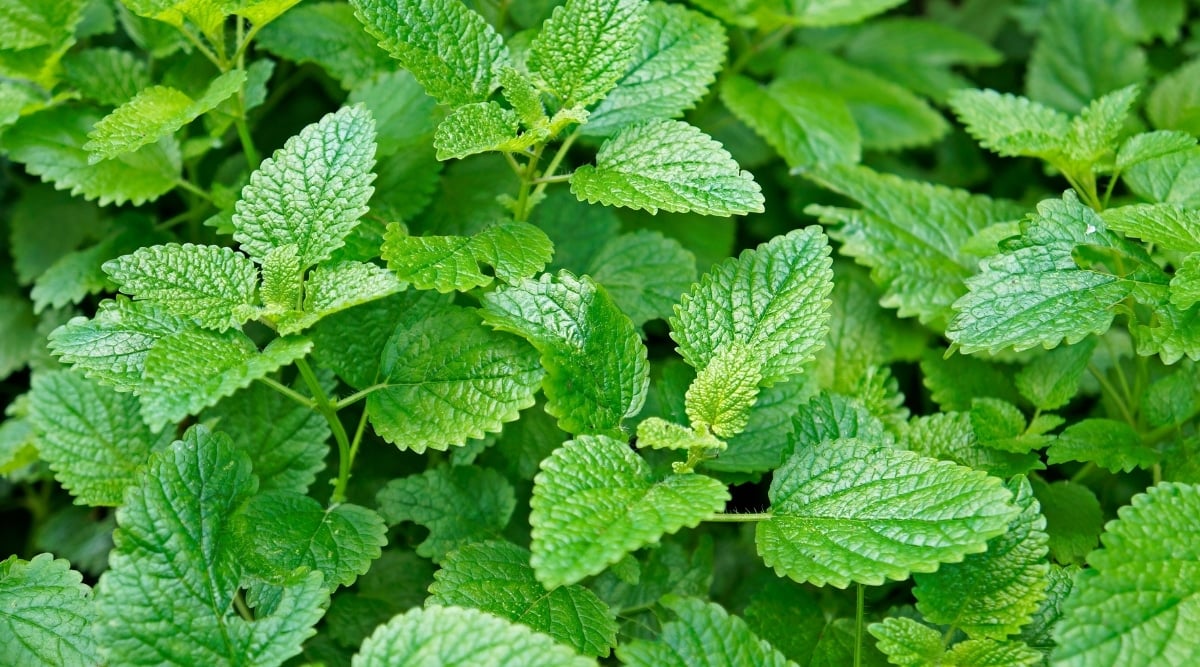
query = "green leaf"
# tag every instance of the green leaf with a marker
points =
(404, 115)
(596, 368)
(949, 436)
(676, 58)
(19, 337)
(312, 191)
(25, 24)
(154, 113)
(1051, 380)
(188, 371)
(328, 35)
(477, 128)
(1011, 125)
(91, 435)
(846, 510)
(911, 234)
(908, 642)
(1171, 226)
(644, 272)
(457, 637)
(496, 577)
(992, 594)
(1111, 444)
(107, 75)
(1000, 425)
(1185, 284)
(1174, 103)
(805, 125)
(339, 541)
(75, 275)
(595, 501)
(1175, 334)
(333, 288)
(667, 165)
(955, 381)
(34, 245)
(988, 652)
(50, 145)
(1173, 177)
(818, 13)
(585, 47)
(514, 250)
(459, 505)
(720, 398)
(168, 594)
(765, 440)
(213, 285)
(1132, 606)
(1074, 519)
(48, 613)
(661, 434)
(1151, 145)
(447, 378)
(454, 71)
(208, 15)
(702, 633)
(772, 300)
(1081, 54)
(524, 98)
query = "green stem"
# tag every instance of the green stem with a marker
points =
(289, 392)
(561, 178)
(194, 189)
(554, 164)
(1112, 182)
(243, 610)
(204, 50)
(358, 396)
(329, 412)
(1083, 472)
(859, 608)
(512, 162)
(358, 435)
(722, 517)
(523, 209)
(1109, 390)
(252, 157)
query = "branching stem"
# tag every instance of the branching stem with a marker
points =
(329, 412)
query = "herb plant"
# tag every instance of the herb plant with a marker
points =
(501, 355)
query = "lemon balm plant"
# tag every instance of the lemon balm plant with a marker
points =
(502, 356)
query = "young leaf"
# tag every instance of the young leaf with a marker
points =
(477, 128)
(1011, 125)
(496, 577)
(459, 505)
(447, 378)
(457, 636)
(213, 285)
(92, 437)
(596, 368)
(908, 642)
(450, 49)
(720, 398)
(1074, 519)
(1111, 444)
(667, 165)
(846, 510)
(107, 75)
(514, 250)
(585, 48)
(595, 501)
(1171, 226)
(702, 633)
(773, 300)
(949, 436)
(678, 53)
(1172, 178)
(155, 113)
(992, 594)
(1185, 284)
(805, 125)
(1174, 335)
(1131, 606)
(1052, 379)
(312, 191)
(333, 288)
(326, 33)
(167, 535)
(763, 444)
(48, 613)
(644, 272)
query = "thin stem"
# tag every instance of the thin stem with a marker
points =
(561, 178)
(358, 434)
(512, 162)
(245, 42)
(1112, 182)
(723, 517)
(327, 410)
(194, 189)
(243, 610)
(523, 209)
(172, 221)
(859, 608)
(289, 392)
(204, 50)
(358, 396)
(1083, 472)
(553, 166)
(1108, 389)
(243, 130)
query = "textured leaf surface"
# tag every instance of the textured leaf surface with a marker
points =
(1011, 125)
(459, 505)
(595, 501)
(213, 285)
(1074, 519)
(92, 437)
(1135, 603)
(644, 272)
(846, 510)
(106, 75)
(1111, 444)
(168, 593)
(447, 378)
(1052, 380)
(449, 48)
(476, 128)
(514, 250)
(911, 234)
(949, 436)
(1169, 225)
(333, 288)
(585, 47)
(596, 368)
(47, 613)
(667, 165)
(908, 642)
(723, 393)
(702, 633)
(326, 33)
(312, 191)
(806, 126)
(773, 300)
(496, 577)
(457, 637)
(678, 54)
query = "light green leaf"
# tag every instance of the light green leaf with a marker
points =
(848, 511)
(1150, 145)
(1176, 334)
(107, 75)
(154, 113)
(678, 54)
(524, 98)
(278, 532)
(459, 505)
(496, 577)
(447, 378)
(992, 594)
(992, 653)
(1011, 125)
(259, 12)
(658, 433)
(911, 234)
(50, 145)
(1133, 606)
(805, 125)
(595, 501)
(1174, 104)
(1051, 380)
(312, 191)
(477, 128)
(949, 436)
(1185, 284)
(514, 250)
(724, 391)
(1171, 226)
(188, 371)
(702, 633)
(1095, 130)
(765, 440)
(92, 436)
(596, 368)
(585, 47)
(333, 288)
(450, 49)
(821, 13)
(907, 642)
(281, 277)
(644, 272)
(25, 24)
(667, 165)
(1000, 425)
(1074, 519)
(1111, 444)
(457, 637)
(213, 285)
(1173, 177)
(168, 594)
(773, 300)
(48, 613)
(326, 33)
(208, 15)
